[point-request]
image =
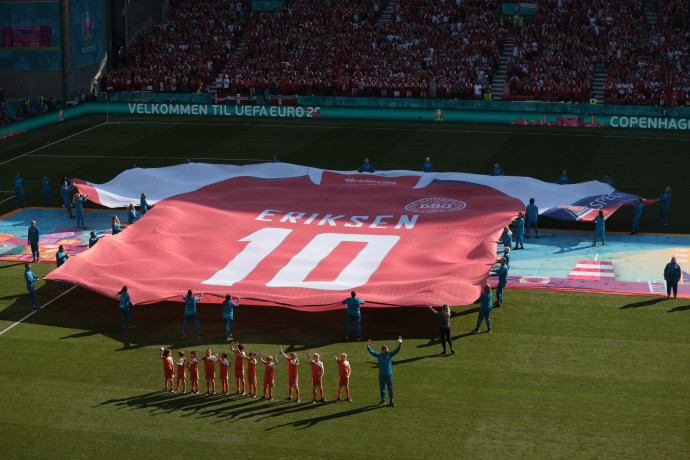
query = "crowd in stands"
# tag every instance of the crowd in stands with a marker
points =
(649, 64)
(185, 52)
(430, 49)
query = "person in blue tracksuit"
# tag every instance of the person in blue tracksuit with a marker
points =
(46, 185)
(60, 258)
(190, 311)
(506, 255)
(353, 315)
(502, 274)
(30, 279)
(532, 213)
(66, 192)
(366, 167)
(519, 225)
(600, 229)
(506, 238)
(497, 171)
(132, 215)
(19, 190)
(93, 239)
(665, 201)
(428, 167)
(672, 276)
(385, 358)
(607, 180)
(144, 205)
(79, 200)
(125, 304)
(563, 179)
(33, 237)
(229, 314)
(484, 309)
(274, 159)
(637, 207)
(115, 225)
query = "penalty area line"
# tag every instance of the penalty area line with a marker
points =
(54, 142)
(36, 311)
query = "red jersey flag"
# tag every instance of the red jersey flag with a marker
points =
(303, 244)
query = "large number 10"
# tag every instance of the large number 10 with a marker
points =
(263, 242)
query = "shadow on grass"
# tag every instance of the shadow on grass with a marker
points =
(226, 407)
(644, 303)
(682, 308)
(85, 314)
(309, 422)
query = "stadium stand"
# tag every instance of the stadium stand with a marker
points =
(185, 52)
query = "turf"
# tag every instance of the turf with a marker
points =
(563, 375)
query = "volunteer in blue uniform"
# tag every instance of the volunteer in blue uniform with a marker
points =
(665, 201)
(19, 190)
(385, 359)
(563, 179)
(637, 207)
(229, 314)
(428, 167)
(79, 200)
(519, 225)
(125, 303)
(484, 302)
(30, 279)
(497, 171)
(366, 167)
(144, 205)
(132, 215)
(190, 311)
(600, 228)
(275, 159)
(353, 315)
(532, 213)
(115, 225)
(607, 180)
(507, 237)
(65, 191)
(46, 185)
(60, 258)
(93, 239)
(672, 276)
(33, 237)
(502, 281)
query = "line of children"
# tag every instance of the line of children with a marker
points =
(270, 363)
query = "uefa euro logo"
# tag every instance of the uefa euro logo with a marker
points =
(439, 115)
(87, 27)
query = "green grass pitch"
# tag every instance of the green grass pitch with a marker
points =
(563, 375)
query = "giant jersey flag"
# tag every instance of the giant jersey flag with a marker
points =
(305, 237)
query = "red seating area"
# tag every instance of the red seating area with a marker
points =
(430, 49)
(185, 52)
(649, 65)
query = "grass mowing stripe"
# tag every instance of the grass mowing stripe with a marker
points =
(35, 311)
(53, 143)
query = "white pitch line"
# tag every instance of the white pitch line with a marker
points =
(372, 128)
(33, 312)
(596, 257)
(53, 143)
(7, 199)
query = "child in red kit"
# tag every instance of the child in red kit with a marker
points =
(269, 375)
(238, 349)
(193, 366)
(181, 374)
(251, 374)
(210, 371)
(223, 367)
(167, 368)
(316, 375)
(293, 378)
(343, 375)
